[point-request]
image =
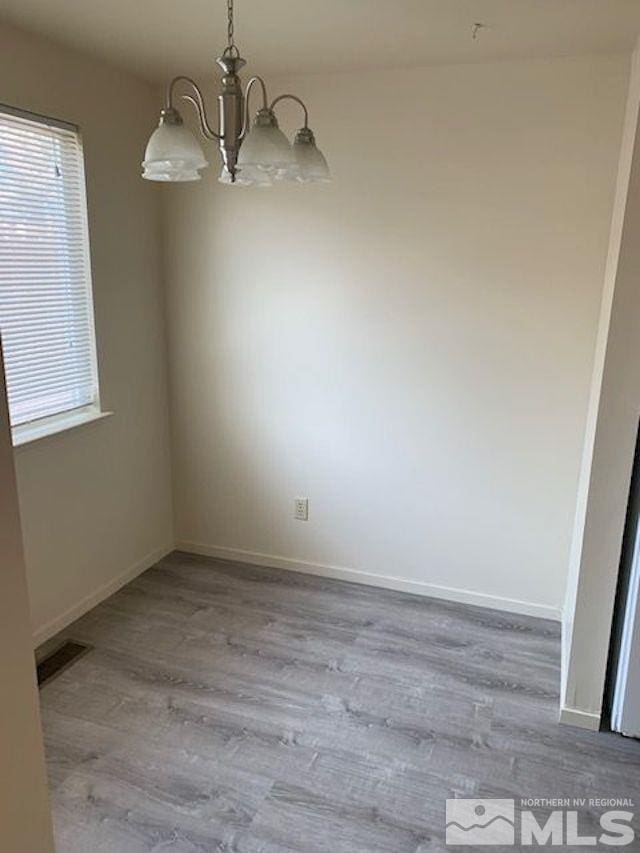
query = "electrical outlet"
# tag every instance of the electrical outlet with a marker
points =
(301, 509)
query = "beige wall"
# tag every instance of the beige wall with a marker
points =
(25, 821)
(411, 347)
(96, 501)
(614, 411)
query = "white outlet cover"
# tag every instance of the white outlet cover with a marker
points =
(301, 509)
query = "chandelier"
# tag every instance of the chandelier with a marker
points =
(259, 154)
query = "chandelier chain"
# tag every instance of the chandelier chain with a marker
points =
(230, 40)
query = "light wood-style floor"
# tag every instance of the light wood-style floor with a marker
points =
(234, 708)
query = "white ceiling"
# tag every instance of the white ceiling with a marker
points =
(157, 38)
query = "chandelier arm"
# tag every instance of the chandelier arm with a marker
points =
(247, 119)
(204, 124)
(298, 101)
(196, 99)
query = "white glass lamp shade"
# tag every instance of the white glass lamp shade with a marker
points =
(265, 148)
(173, 153)
(310, 165)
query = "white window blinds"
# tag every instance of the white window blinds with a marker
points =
(46, 310)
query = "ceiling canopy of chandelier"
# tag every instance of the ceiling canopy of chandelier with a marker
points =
(260, 155)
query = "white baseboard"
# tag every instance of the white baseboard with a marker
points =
(50, 629)
(429, 590)
(580, 719)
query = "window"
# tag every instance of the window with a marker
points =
(46, 309)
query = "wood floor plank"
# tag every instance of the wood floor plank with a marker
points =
(241, 709)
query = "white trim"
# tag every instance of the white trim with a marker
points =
(25, 434)
(430, 590)
(51, 628)
(580, 719)
(627, 683)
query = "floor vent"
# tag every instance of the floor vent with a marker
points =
(60, 659)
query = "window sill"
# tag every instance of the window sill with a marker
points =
(26, 434)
